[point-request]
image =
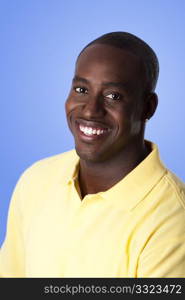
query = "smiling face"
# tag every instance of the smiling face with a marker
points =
(105, 105)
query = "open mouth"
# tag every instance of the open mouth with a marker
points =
(92, 131)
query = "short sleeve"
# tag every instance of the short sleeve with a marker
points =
(166, 259)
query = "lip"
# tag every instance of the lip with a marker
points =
(94, 125)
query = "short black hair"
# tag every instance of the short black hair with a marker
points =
(137, 46)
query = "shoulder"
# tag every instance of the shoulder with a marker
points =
(164, 207)
(47, 171)
(176, 187)
(33, 185)
(168, 207)
(51, 163)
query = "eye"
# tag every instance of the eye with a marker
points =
(80, 90)
(114, 96)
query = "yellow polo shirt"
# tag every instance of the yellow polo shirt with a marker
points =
(134, 229)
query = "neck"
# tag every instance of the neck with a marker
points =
(96, 177)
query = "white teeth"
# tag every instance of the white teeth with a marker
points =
(90, 130)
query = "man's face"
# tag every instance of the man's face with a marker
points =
(104, 106)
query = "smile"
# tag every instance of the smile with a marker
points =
(90, 131)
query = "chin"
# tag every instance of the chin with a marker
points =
(89, 156)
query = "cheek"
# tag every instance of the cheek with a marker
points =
(72, 104)
(136, 124)
(123, 116)
(127, 121)
(68, 109)
(69, 105)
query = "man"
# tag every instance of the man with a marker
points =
(110, 208)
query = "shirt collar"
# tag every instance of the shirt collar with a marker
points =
(139, 182)
(72, 168)
(134, 186)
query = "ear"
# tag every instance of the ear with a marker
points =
(150, 105)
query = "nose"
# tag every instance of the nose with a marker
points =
(94, 108)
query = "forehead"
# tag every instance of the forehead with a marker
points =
(107, 61)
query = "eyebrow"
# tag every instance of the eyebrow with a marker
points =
(109, 83)
(77, 78)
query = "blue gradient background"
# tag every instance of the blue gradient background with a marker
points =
(40, 40)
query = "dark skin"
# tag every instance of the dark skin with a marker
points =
(108, 96)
